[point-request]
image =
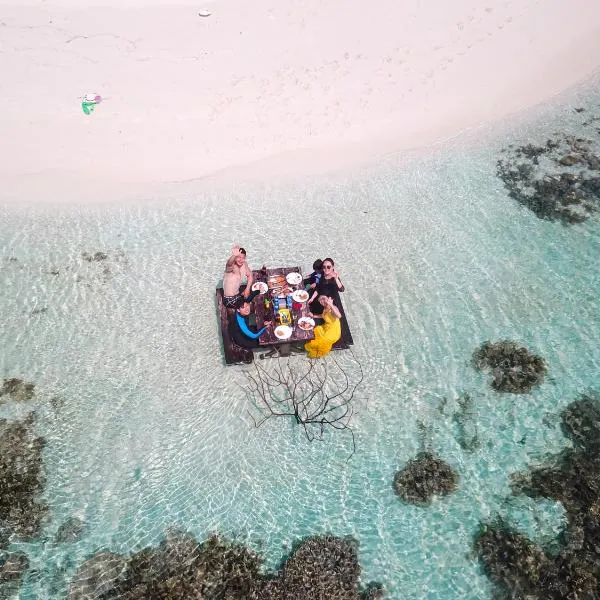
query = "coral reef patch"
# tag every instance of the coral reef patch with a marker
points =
(21, 478)
(514, 369)
(563, 186)
(466, 423)
(13, 566)
(17, 390)
(181, 568)
(424, 478)
(70, 531)
(21, 483)
(522, 569)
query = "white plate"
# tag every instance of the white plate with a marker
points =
(261, 286)
(306, 323)
(300, 296)
(293, 278)
(283, 332)
(204, 13)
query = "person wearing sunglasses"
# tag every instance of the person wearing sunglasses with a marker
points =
(329, 285)
(236, 269)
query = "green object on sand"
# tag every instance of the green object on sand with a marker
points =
(88, 107)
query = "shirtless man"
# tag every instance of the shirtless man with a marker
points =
(236, 269)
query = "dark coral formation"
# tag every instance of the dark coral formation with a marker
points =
(568, 192)
(17, 389)
(21, 482)
(523, 569)
(514, 369)
(466, 423)
(96, 257)
(425, 477)
(13, 566)
(70, 531)
(21, 478)
(181, 569)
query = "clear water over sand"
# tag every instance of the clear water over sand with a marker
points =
(147, 429)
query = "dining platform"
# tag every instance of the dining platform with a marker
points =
(282, 301)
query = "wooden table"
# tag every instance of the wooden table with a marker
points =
(268, 338)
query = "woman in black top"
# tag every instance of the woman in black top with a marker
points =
(330, 285)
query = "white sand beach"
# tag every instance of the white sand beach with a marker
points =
(312, 85)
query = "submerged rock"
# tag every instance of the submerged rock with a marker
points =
(97, 576)
(70, 531)
(514, 369)
(425, 477)
(95, 257)
(13, 566)
(511, 560)
(322, 567)
(21, 478)
(581, 422)
(466, 423)
(556, 192)
(523, 569)
(17, 389)
(180, 568)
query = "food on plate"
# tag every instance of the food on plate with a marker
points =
(276, 281)
(261, 286)
(306, 323)
(283, 332)
(300, 295)
(293, 278)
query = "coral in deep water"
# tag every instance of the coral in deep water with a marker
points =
(181, 568)
(523, 569)
(514, 369)
(423, 478)
(566, 188)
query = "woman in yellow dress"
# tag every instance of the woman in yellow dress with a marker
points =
(329, 333)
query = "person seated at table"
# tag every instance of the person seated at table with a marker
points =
(327, 334)
(313, 279)
(329, 284)
(240, 330)
(236, 269)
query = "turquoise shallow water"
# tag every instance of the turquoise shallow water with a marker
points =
(147, 429)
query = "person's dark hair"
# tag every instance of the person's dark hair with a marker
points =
(317, 265)
(243, 251)
(330, 260)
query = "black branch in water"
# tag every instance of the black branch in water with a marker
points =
(317, 394)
